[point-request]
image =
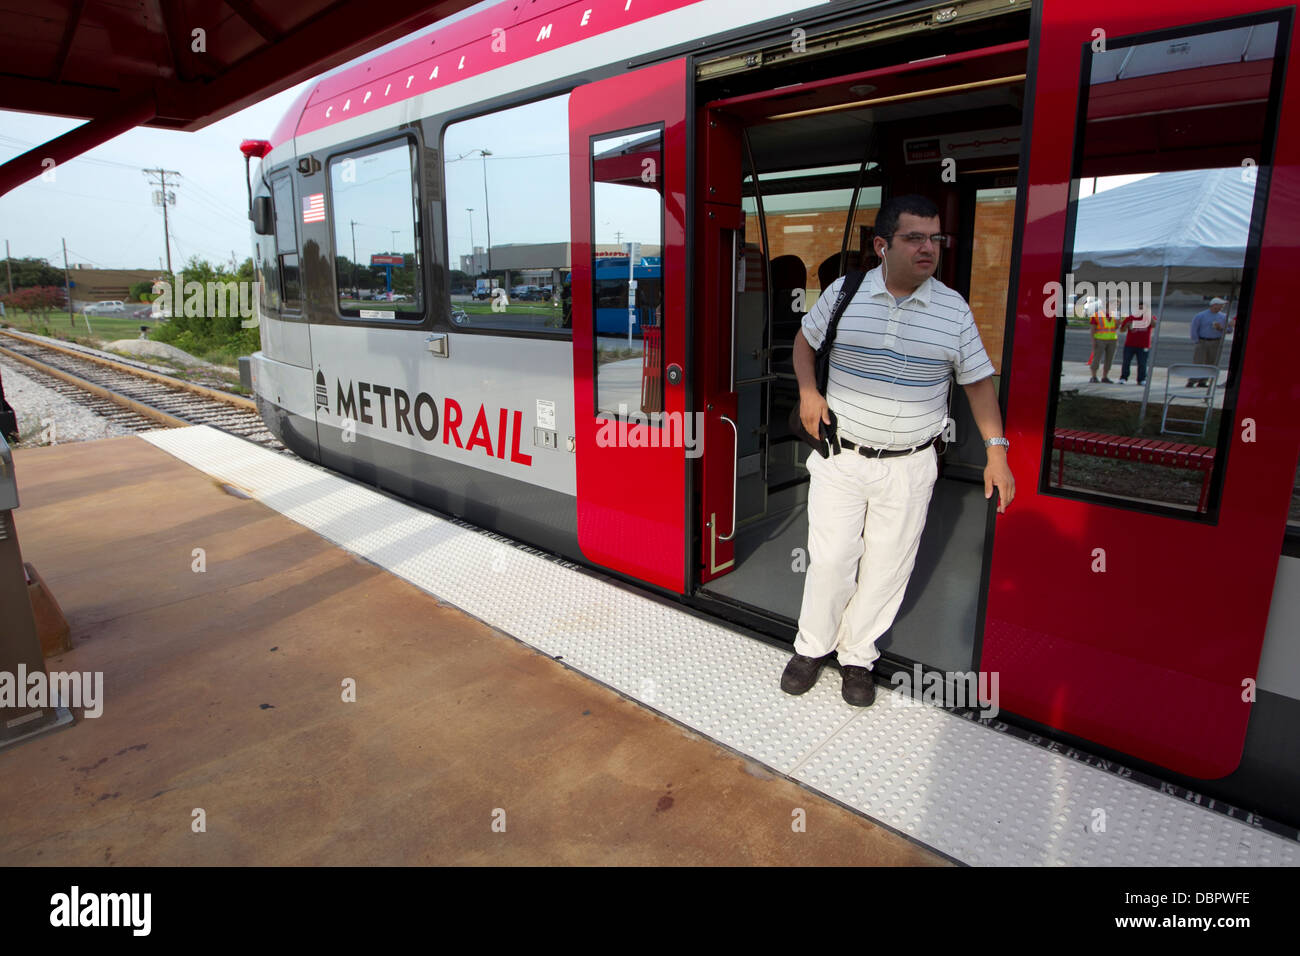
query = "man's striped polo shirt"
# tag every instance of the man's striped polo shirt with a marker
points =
(891, 361)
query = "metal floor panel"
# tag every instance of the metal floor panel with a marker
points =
(979, 796)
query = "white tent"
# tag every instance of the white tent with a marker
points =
(1195, 223)
(1186, 229)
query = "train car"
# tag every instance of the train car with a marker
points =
(1138, 601)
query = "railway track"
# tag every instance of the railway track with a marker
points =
(130, 396)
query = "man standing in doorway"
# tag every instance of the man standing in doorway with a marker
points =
(901, 338)
(1207, 333)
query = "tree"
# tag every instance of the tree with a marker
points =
(38, 299)
(31, 272)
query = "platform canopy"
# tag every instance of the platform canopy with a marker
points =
(1193, 222)
(175, 64)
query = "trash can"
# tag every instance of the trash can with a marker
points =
(20, 647)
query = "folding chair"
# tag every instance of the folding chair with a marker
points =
(1200, 397)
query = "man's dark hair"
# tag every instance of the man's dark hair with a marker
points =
(895, 206)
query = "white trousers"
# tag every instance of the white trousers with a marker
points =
(865, 517)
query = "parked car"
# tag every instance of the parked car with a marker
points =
(106, 307)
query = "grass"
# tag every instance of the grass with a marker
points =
(103, 327)
(107, 329)
(1097, 414)
(1128, 479)
(514, 308)
(605, 356)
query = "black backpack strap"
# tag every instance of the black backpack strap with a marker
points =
(852, 280)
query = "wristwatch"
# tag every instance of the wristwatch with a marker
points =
(988, 442)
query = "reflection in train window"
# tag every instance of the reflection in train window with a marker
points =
(1293, 513)
(507, 206)
(1164, 222)
(374, 207)
(286, 244)
(627, 257)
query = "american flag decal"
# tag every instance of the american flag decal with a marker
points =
(313, 208)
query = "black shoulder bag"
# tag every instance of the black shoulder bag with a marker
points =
(822, 367)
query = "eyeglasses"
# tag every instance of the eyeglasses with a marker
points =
(940, 239)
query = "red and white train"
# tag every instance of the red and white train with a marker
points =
(1141, 604)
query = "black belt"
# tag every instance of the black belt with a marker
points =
(1212, 338)
(867, 452)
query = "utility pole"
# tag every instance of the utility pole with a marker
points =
(67, 285)
(487, 208)
(473, 258)
(355, 290)
(9, 268)
(161, 182)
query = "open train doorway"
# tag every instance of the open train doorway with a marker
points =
(792, 179)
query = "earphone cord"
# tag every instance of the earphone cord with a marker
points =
(898, 405)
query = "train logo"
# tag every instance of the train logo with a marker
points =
(498, 436)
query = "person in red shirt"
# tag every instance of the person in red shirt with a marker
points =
(1137, 340)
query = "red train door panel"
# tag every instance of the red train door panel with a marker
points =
(718, 233)
(628, 177)
(1121, 608)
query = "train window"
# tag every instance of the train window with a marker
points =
(507, 206)
(1293, 513)
(269, 273)
(286, 244)
(810, 224)
(374, 204)
(1171, 169)
(627, 255)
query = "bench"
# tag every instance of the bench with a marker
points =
(1153, 451)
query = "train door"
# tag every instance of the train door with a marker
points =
(633, 427)
(1131, 579)
(791, 180)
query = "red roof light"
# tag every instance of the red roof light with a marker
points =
(255, 147)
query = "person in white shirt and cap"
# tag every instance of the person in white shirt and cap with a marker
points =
(903, 337)
(1207, 332)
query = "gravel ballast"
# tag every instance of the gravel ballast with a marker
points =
(45, 417)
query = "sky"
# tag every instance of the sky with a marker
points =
(101, 202)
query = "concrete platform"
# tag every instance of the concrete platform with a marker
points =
(223, 691)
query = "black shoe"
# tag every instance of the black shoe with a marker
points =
(801, 673)
(858, 688)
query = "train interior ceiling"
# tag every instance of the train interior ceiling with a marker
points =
(826, 152)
